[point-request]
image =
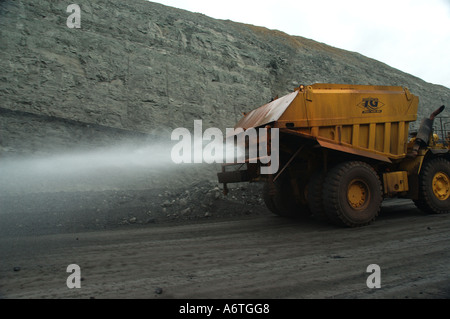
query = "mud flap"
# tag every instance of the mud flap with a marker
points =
(234, 177)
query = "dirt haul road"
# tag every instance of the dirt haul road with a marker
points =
(247, 257)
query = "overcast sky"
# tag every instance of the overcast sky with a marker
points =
(409, 35)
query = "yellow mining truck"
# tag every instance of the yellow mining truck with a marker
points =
(342, 150)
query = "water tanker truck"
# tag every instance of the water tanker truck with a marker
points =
(342, 150)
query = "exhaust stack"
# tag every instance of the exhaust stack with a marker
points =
(425, 130)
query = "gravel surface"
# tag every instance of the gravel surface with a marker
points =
(62, 212)
(258, 256)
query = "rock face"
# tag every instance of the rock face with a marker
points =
(137, 67)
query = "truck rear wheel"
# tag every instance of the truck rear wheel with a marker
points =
(314, 196)
(353, 194)
(269, 191)
(434, 186)
(280, 199)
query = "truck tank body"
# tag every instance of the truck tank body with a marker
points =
(370, 121)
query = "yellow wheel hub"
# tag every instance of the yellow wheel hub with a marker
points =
(441, 186)
(357, 194)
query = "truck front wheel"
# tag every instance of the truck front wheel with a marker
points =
(434, 186)
(353, 194)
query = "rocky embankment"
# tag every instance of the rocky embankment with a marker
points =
(141, 68)
(72, 98)
(81, 211)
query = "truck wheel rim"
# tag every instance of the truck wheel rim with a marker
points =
(358, 194)
(441, 186)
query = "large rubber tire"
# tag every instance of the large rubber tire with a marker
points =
(280, 199)
(268, 198)
(434, 186)
(353, 194)
(315, 196)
